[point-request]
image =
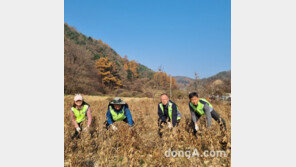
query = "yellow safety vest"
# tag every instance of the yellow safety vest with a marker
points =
(117, 116)
(80, 114)
(170, 110)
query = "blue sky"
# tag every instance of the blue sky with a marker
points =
(182, 36)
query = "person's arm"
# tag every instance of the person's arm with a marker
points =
(174, 114)
(128, 115)
(89, 118)
(109, 117)
(208, 110)
(159, 112)
(194, 117)
(162, 118)
(72, 116)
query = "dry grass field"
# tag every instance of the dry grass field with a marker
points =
(141, 145)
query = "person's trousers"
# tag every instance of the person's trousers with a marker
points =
(217, 118)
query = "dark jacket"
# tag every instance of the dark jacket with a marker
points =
(165, 116)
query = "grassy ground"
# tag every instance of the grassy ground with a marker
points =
(141, 144)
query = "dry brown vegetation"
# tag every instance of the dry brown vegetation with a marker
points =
(141, 145)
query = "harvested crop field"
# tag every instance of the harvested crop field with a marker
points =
(141, 145)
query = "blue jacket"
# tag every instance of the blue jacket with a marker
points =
(127, 113)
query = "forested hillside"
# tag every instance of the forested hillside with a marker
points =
(93, 67)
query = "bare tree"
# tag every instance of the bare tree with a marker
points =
(195, 81)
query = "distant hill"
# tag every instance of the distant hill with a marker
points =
(186, 81)
(224, 75)
(219, 82)
(183, 81)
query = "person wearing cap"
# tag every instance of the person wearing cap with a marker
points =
(79, 111)
(118, 111)
(199, 107)
(168, 110)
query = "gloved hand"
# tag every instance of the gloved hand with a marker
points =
(196, 127)
(78, 129)
(170, 125)
(114, 127)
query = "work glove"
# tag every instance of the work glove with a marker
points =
(170, 125)
(78, 129)
(196, 127)
(114, 127)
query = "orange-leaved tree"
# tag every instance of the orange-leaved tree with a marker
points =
(107, 73)
(162, 81)
(133, 66)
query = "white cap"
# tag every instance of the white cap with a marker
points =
(78, 97)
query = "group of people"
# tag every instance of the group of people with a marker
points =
(168, 113)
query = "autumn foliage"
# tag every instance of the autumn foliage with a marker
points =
(162, 81)
(107, 73)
